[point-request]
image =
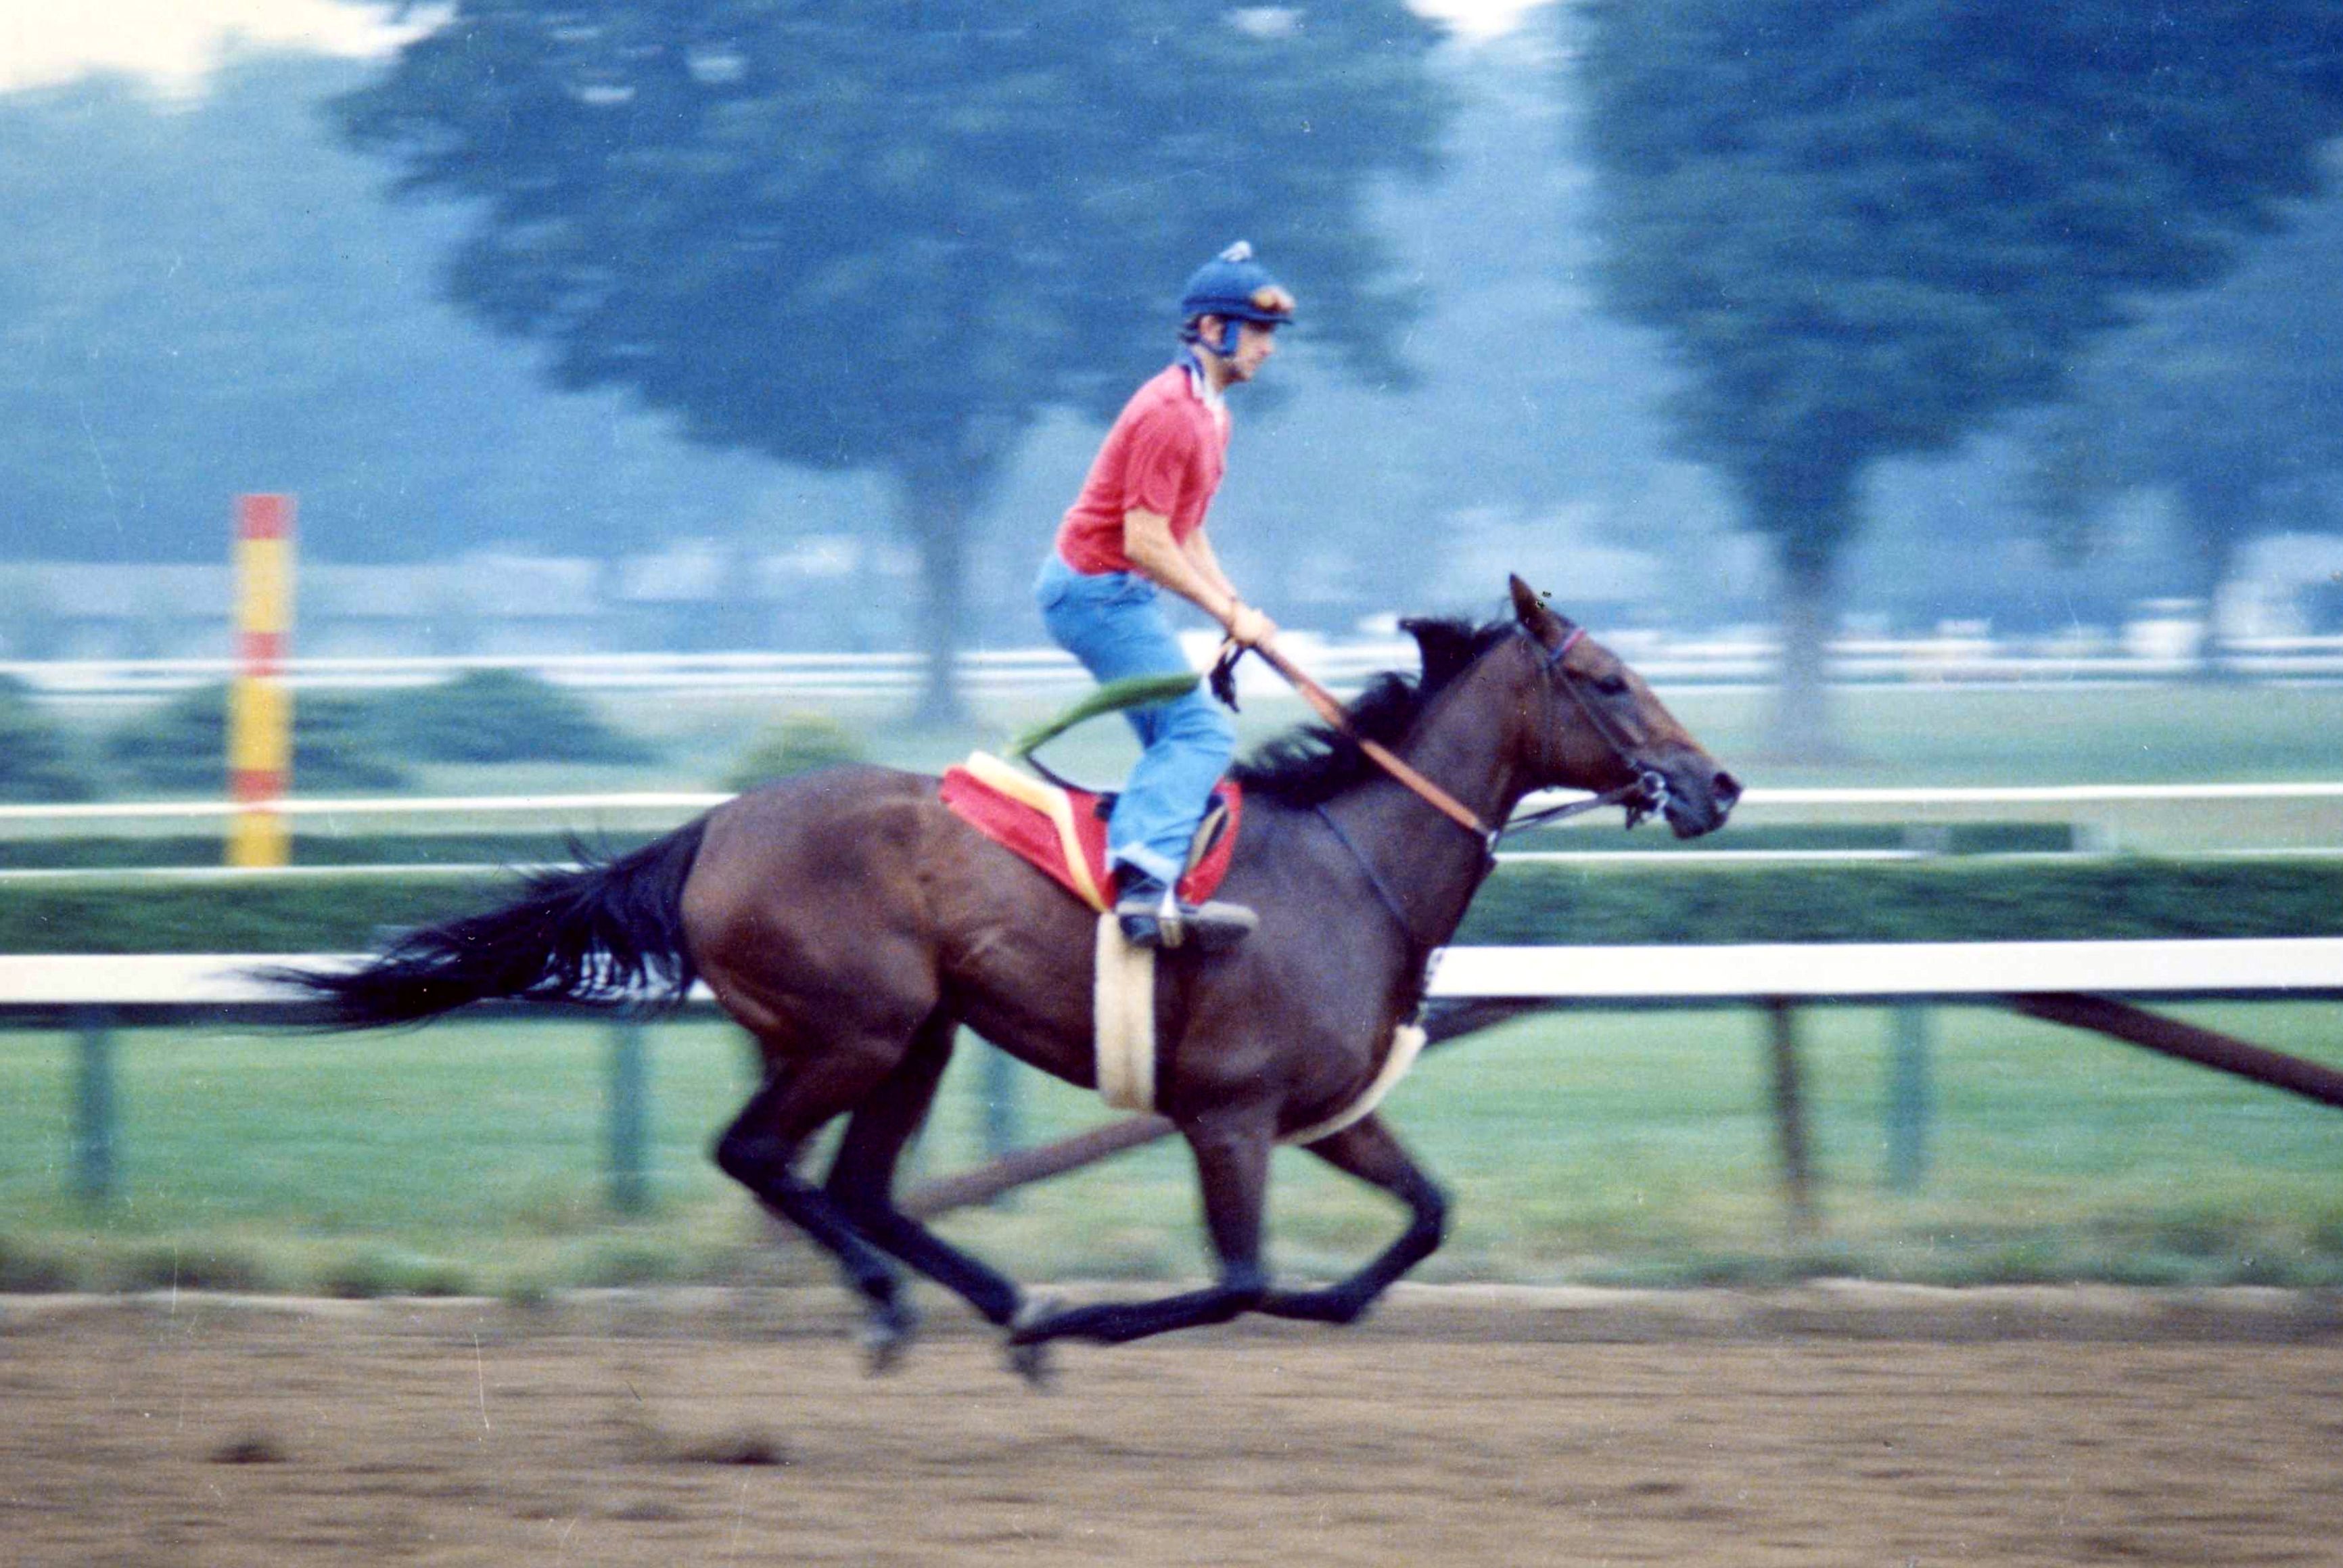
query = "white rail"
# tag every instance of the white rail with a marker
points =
(1894, 971)
(1994, 802)
(2074, 983)
(2275, 816)
(1665, 659)
(2299, 967)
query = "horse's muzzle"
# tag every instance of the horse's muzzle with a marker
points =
(1698, 799)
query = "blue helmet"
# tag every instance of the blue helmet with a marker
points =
(1235, 287)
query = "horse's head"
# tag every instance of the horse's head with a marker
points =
(1599, 727)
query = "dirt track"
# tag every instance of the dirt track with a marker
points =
(1484, 1427)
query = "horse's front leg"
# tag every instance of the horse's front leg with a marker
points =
(861, 1182)
(1367, 1150)
(1232, 1165)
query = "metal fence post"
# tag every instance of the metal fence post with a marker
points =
(1003, 1089)
(1910, 1097)
(630, 1117)
(93, 1172)
(1001, 1093)
(1790, 1113)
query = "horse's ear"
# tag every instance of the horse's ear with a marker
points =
(1530, 607)
(1445, 646)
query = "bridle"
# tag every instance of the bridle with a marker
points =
(1647, 795)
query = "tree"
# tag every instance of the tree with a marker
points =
(2227, 399)
(203, 297)
(891, 235)
(1871, 225)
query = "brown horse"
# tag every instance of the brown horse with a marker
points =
(853, 925)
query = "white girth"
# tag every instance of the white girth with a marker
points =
(1124, 1003)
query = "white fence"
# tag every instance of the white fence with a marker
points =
(2087, 985)
(2217, 818)
(1666, 659)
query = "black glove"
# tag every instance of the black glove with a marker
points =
(1223, 679)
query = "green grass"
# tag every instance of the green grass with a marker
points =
(1609, 1147)
(1980, 735)
(1627, 1148)
(1894, 735)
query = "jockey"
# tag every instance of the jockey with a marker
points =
(1138, 528)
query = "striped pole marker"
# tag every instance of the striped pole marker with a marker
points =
(260, 709)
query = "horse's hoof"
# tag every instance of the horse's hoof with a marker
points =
(1030, 1358)
(1314, 1307)
(885, 1335)
(1032, 1363)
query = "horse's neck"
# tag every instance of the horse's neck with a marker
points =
(1467, 745)
(1473, 741)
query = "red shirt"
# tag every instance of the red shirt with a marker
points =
(1166, 454)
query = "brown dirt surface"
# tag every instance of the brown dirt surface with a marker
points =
(1833, 1425)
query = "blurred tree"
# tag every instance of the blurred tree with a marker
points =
(2230, 399)
(203, 296)
(890, 235)
(1870, 226)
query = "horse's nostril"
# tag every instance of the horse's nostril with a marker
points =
(1727, 789)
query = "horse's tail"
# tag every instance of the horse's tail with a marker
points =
(605, 933)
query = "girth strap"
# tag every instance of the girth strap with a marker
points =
(1124, 1032)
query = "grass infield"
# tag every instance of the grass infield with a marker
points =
(1627, 1148)
(1598, 1148)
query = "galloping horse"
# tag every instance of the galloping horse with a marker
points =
(853, 924)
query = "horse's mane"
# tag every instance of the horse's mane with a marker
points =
(1315, 763)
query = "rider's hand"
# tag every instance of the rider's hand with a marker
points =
(1250, 627)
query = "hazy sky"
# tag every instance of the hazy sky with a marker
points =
(175, 43)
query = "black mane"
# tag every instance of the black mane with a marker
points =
(1314, 764)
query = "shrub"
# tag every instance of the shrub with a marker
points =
(32, 1268)
(39, 760)
(797, 743)
(183, 745)
(390, 1271)
(194, 1267)
(500, 716)
(1922, 901)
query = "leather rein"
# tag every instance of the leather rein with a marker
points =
(1647, 795)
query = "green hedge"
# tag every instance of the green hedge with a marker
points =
(314, 849)
(498, 716)
(183, 745)
(1939, 900)
(39, 760)
(1948, 900)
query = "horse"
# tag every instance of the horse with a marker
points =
(853, 925)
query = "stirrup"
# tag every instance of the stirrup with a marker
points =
(1152, 916)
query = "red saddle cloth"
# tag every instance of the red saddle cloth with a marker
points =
(1063, 830)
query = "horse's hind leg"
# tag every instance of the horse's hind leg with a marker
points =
(760, 1148)
(862, 1177)
(1368, 1150)
(1232, 1165)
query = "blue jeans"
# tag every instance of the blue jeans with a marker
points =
(1113, 622)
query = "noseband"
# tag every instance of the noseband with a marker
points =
(1645, 797)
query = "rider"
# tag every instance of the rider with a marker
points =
(1138, 526)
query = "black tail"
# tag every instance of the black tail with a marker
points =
(610, 933)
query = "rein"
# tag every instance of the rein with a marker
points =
(1645, 795)
(1322, 701)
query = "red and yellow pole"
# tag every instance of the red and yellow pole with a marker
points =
(259, 708)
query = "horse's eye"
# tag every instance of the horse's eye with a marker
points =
(1611, 686)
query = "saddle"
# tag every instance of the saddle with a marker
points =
(1061, 829)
